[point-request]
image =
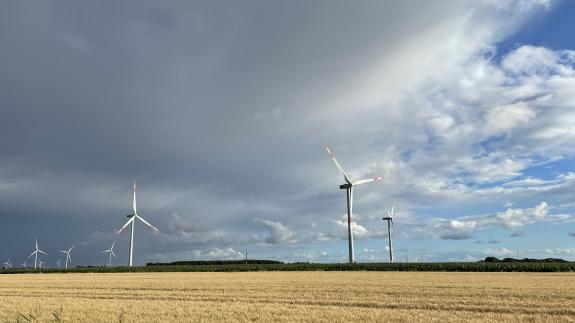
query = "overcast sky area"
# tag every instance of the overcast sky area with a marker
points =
(220, 110)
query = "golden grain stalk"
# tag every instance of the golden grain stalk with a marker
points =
(288, 296)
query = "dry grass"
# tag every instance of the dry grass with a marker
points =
(288, 296)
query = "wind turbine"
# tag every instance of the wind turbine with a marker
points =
(348, 187)
(132, 221)
(7, 264)
(58, 263)
(40, 262)
(111, 252)
(24, 265)
(68, 255)
(389, 219)
(35, 253)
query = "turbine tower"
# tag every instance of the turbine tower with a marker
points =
(389, 219)
(132, 221)
(348, 187)
(35, 253)
(111, 252)
(68, 258)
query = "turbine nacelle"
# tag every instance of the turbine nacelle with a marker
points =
(359, 182)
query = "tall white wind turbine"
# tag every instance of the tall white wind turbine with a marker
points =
(132, 222)
(111, 252)
(35, 253)
(348, 187)
(7, 264)
(68, 258)
(389, 219)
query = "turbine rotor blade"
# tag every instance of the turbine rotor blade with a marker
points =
(347, 178)
(125, 225)
(393, 227)
(113, 254)
(42, 252)
(134, 200)
(363, 181)
(31, 254)
(146, 222)
(71, 248)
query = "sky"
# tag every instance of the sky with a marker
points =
(220, 111)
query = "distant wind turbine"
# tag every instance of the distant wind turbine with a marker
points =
(7, 264)
(40, 262)
(132, 221)
(68, 258)
(348, 187)
(35, 253)
(58, 263)
(24, 265)
(389, 219)
(111, 252)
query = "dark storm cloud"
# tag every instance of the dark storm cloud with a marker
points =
(204, 102)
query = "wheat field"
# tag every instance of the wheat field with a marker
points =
(288, 296)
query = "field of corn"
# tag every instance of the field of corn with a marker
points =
(292, 296)
(443, 266)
